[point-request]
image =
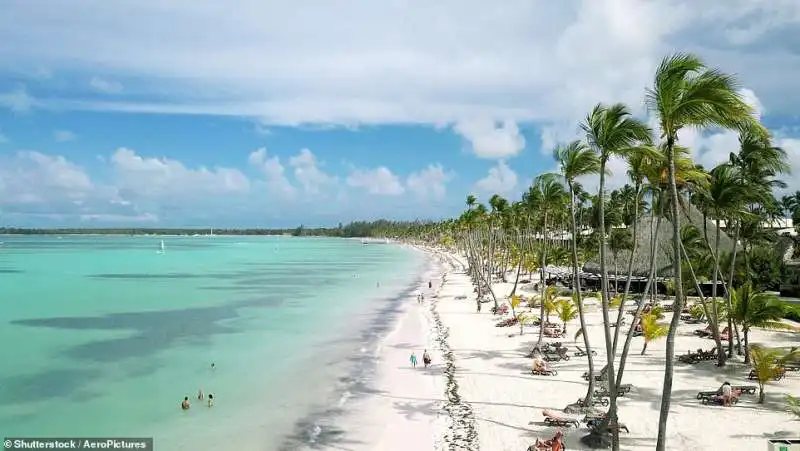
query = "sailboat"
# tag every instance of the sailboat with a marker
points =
(163, 249)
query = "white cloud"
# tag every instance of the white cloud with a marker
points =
(273, 171)
(64, 136)
(416, 62)
(501, 179)
(31, 177)
(379, 181)
(105, 86)
(18, 101)
(164, 179)
(488, 140)
(429, 182)
(307, 172)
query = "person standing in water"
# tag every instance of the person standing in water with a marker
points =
(213, 367)
(200, 394)
(413, 360)
(185, 404)
(210, 400)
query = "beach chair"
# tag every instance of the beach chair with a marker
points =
(552, 332)
(598, 376)
(594, 402)
(555, 419)
(704, 332)
(581, 353)
(544, 372)
(595, 421)
(780, 374)
(725, 335)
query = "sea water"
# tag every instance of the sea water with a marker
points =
(105, 335)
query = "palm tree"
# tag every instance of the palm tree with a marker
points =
(725, 201)
(611, 131)
(575, 160)
(765, 366)
(652, 329)
(756, 309)
(566, 311)
(688, 94)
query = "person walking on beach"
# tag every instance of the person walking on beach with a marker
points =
(430, 284)
(413, 360)
(426, 358)
(185, 404)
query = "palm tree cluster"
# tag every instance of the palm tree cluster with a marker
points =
(702, 227)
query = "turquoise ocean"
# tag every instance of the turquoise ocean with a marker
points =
(105, 335)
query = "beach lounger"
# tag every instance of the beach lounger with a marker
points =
(581, 353)
(594, 402)
(792, 366)
(704, 332)
(594, 422)
(554, 444)
(555, 419)
(717, 400)
(547, 372)
(778, 376)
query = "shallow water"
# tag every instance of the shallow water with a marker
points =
(104, 336)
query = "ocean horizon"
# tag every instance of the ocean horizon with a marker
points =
(109, 333)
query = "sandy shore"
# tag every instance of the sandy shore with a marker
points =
(507, 401)
(479, 393)
(402, 409)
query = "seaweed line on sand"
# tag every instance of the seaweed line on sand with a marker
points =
(460, 432)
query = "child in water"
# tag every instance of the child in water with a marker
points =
(185, 404)
(210, 400)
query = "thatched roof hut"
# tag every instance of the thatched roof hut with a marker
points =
(641, 259)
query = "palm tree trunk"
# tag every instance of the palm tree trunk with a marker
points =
(516, 281)
(621, 310)
(576, 285)
(714, 305)
(638, 314)
(612, 386)
(746, 332)
(644, 348)
(730, 286)
(542, 282)
(669, 367)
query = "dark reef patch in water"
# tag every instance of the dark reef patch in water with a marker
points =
(151, 331)
(45, 385)
(10, 271)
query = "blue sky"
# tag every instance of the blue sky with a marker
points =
(183, 113)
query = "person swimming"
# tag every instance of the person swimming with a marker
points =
(213, 367)
(210, 400)
(185, 404)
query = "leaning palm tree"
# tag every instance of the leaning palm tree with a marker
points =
(688, 94)
(575, 160)
(611, 131)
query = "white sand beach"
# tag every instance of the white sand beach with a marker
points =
(506, 401)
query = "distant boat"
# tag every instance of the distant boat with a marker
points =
(211, 232)
(163, 249)
(364, 242)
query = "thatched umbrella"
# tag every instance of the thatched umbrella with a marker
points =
(641, 258)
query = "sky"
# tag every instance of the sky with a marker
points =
(183, 113)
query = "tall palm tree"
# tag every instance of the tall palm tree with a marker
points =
(725, 200)
(611, 131)
(575, 160)
(546, 196)
(688, 94)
